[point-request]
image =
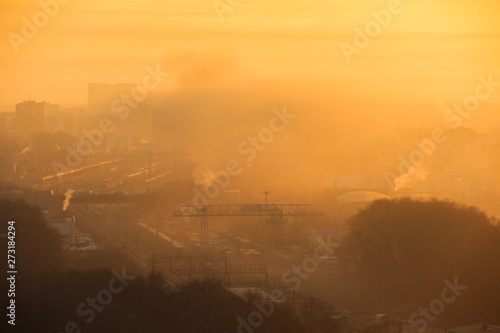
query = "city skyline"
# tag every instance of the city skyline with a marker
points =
(305, 166)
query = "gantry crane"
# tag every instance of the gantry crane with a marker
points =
(270, 213)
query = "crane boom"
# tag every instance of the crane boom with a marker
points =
(247, 210)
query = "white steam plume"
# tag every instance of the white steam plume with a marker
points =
(411, 178)
(67, 198)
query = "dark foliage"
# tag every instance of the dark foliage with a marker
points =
(51, 298)
(406, 249)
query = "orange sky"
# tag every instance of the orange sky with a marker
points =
(113, 41)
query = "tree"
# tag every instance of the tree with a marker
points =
(38, 247)
(407, 248)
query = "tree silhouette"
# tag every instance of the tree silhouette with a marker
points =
(406, 248)
(48, 294)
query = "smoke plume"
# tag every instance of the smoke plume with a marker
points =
(67, 198)
(411, 178)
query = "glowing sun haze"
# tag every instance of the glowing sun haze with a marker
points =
(430, 43)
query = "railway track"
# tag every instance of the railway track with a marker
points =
(111, 235)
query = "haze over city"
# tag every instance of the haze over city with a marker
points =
(302, 166)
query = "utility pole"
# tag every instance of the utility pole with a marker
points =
(137, 248)
(150, 164)
(265, 194)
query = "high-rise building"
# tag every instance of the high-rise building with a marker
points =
(63, 120)
(31, 117)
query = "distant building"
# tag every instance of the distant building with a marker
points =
(31, 116)
(116, 144)
(7, 121)
(101, 95)
(42, 198)
(71, 239)
(66, 226)
(62, 121)
(8, 164)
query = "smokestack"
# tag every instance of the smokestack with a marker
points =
(67, 198)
